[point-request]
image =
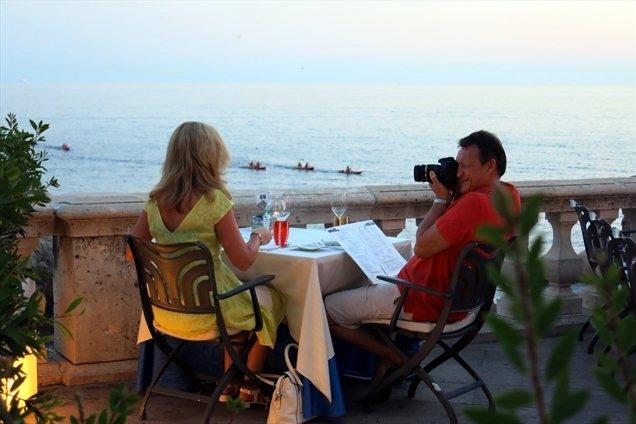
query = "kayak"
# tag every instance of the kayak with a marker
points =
(352, 172)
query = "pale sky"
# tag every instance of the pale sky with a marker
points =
(476, 42)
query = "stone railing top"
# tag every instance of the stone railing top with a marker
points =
(78, 214)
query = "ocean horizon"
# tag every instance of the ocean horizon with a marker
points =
(118, 133)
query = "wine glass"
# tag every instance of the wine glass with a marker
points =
(339, 204)
(280, 208)
(280, 212)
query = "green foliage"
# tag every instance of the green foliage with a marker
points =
(120, 402)
(535, 314)
(21, 320)
(236, 405)
(615, 372)
(21, 171)
(21, 189)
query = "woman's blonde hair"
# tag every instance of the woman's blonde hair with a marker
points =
(195, 163)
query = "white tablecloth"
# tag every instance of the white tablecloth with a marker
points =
(304, 278)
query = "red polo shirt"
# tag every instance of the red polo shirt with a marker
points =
(457, 225)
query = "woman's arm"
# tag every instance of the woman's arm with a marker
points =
(241, 254)
(141, 229)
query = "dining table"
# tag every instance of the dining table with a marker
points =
(311, 266)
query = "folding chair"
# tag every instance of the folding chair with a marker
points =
(471, 291)
(589, 232)
(180, 278)
(591, 241)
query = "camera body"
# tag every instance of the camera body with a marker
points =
(446, 172)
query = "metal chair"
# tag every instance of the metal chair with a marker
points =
(592, 243)
(471, 291)
(589, 232)
(180, 278)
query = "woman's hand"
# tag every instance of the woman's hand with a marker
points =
(438, 188)
(264, 233)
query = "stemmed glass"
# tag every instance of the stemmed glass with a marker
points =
(280, 213)
(280, 206)
(339, 204)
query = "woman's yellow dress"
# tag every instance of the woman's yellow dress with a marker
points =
(238, 313)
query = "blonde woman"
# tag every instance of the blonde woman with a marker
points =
(190, 203)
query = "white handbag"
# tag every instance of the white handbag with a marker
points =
(286, 406)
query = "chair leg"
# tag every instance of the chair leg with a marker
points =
(477, 378)
(439, 394)
(144, 403)
(214, 400)
(440, 359)
(583, 329)
(413, 386)
(590, 347)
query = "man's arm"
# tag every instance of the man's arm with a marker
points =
(428, 240)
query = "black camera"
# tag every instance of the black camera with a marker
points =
(446, 172)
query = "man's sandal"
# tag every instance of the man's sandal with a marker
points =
(253, 397)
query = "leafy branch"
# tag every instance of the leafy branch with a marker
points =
(535, 314)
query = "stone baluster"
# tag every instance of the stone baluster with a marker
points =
(629, 221)
(563, 266)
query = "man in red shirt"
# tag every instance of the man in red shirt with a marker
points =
(448, 226)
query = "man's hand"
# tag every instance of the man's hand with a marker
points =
(438, 188)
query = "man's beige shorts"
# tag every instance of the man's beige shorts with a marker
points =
(349, 308)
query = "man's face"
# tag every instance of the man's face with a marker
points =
(471, 174)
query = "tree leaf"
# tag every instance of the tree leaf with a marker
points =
(546, 316)
(559, 359)
(530, 213)
(610, 385)
(509, 338)
(62, 328)
(569, 406)
(492, 234)
(74, 304)
(485, 416)
(514, 399)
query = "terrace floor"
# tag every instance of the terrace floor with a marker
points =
(487, 358)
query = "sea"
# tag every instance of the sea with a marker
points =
(117, 133)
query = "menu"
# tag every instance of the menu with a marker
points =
(369, 248)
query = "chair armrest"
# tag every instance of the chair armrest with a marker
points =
(259, 281)
(409, 285)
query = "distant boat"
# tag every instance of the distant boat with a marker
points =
(351, 171)
(255, 167)
(66, 147)
(303, 168)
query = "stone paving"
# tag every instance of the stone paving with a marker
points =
(487, 359)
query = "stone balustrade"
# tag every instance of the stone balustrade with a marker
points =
(89, 251)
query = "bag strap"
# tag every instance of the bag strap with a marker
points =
(290, 367)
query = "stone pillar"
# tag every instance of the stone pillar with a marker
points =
(391, 227)
(90, 263)
(563, 265)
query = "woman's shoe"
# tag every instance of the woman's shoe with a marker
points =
(231, 391)
(253, 397)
